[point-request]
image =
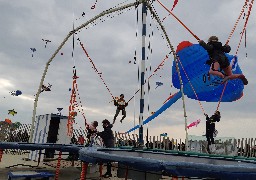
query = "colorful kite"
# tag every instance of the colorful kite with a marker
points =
(16, 93)
(195, 123)
(12, 112)
(163, 134)
(159, 84)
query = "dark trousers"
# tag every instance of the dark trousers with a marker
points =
(210, 128)
(109, 168)
(209, 135)
(117, 112)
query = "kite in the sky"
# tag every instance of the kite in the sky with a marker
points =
(8, 121)
(195, 123)
(163, 134)
(33, 50)
(16, 93)
(46, 41)
(94, 6)
(159, 84)
(12, 112)
(46, 88)
(59, 109)
(83, 14)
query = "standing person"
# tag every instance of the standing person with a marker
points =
(120, 106)
(108, 140)
(210, 127)
(91, 132)
(218, 60)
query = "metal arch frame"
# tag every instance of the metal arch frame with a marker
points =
(86, 24)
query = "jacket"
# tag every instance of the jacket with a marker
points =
(216, 51)
(107, 136)
(120, 103)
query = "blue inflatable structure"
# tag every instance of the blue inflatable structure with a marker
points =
(193, 71)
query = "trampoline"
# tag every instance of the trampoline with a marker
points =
(175, 164)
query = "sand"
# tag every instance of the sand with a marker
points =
(67, 172)
(10, 162)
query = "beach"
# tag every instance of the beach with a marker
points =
(14, 162)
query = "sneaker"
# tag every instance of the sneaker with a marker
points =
(226, 78)
(243, 78)
(107, 175)
(121, 120)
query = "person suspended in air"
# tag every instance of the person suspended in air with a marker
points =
(120, 106)
(210, 127)
(91, 132)
(218, 60)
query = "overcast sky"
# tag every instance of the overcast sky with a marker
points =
(111, 45)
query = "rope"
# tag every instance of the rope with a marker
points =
(240, 15)
(95, 69)
(245, 24)
(191, 85)
(57, 172)
(179, 20)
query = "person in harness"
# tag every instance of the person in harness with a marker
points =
(120, 104)
(218, 60)
(210, 127)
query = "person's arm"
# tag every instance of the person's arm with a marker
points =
(207, 117)
(226, 48)
(207, 47)
(115, 103)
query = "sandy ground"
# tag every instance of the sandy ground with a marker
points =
(67, 172)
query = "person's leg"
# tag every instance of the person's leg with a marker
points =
(124, 115)
(108, 173)
(228, 71)
(214, 70)
(117, 112)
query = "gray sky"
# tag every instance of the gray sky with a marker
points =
(111, 45)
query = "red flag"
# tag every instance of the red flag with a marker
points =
(174, 4)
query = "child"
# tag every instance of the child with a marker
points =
(91, 131)
(210, 127)
(218, 60)
(121, 104)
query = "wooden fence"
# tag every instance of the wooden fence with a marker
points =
(235, 147)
